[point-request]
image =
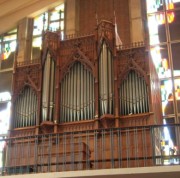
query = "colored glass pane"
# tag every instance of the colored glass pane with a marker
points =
(4, 120)
(177, 93)
(177, 88)
(174, 27)
(8, 48)
(172, 4)
(157, 33)
(55, 15)
(166, 96)
(176, 58)
(62, 15)
(37, 42)
(154, 5)
(40, 24)
(159, 55)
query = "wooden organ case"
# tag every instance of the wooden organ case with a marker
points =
(84, 83)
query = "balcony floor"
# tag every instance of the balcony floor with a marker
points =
(144, 172)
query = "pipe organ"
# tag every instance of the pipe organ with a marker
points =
(83, 83)
(86, 81)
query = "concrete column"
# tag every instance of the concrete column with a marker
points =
(136, 21)
(25, 29)
(72, 16)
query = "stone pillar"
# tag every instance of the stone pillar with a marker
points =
(136, 21)
(72, 17)
(25, 29)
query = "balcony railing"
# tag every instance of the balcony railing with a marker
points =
(88, 150)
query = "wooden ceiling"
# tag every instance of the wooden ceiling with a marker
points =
(12, 11)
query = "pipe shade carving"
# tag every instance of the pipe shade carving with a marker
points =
(133, 95)
(25, 108)
(77, 94)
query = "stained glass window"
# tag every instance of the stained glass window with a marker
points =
(52, 20)
(5, 105)
(164, 35)
(7, 49)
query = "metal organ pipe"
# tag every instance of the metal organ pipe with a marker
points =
(48, 89)
(133, 95)
(106, 80)
(25, 110)
(44, 94)
(68, 97)
(51, 93)
(71, 97)
(23, 105)
(77, 98)
(82, 97)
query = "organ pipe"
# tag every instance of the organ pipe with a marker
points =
(48, 89)
(106, 80)
(133, 95)
(82, 99)
(25, 110)
(77, 98)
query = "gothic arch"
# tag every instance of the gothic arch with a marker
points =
(132, 65)
(77, 56)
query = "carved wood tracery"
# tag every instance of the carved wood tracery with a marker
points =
(50, 43)
(132, 60)
(106, 32)
(27, 75)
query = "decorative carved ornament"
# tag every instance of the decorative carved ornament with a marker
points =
(132, 60)
(106, 32)
(27, 76)
(51, 44)
(80, 50)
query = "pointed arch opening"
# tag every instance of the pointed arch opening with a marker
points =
(133, 95)
(106, 80)
(77, 94)
(25, 108)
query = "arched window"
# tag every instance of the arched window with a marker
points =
(77, 94)
(48, 89)
(52, 20)
(25, 108)
(133, 95)
(106, 80)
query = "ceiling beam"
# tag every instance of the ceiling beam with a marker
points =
(11, 6)
(11, 19)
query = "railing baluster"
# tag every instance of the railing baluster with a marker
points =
(110, 148)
